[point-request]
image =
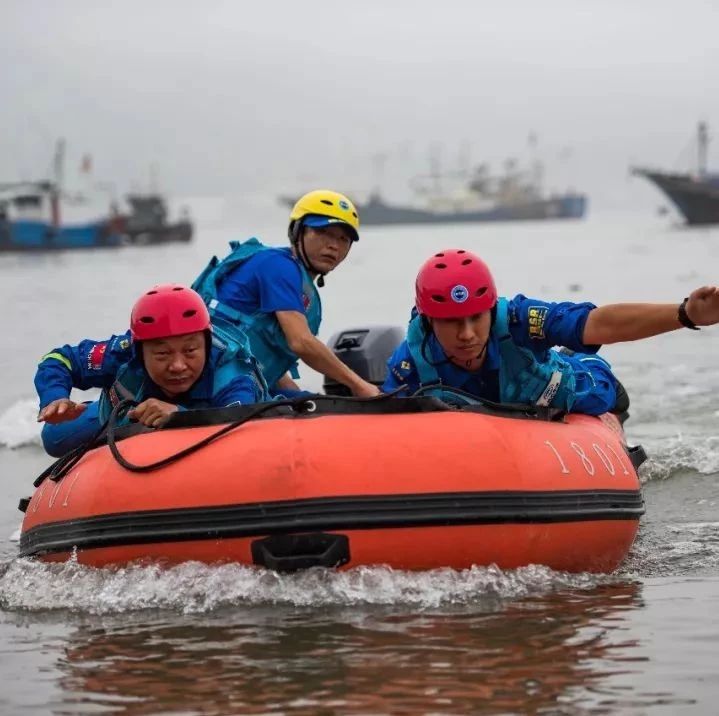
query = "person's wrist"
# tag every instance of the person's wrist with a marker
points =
(683, 316)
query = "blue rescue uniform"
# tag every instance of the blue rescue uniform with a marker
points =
(534, 327)
(228, 378)
(248, 287)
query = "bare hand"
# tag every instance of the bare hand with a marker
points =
(366, 390)
(703, 306)
(153, 412)
(60, 411)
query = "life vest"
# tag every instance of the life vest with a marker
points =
(230, 356)
(267, 340)
(523, 378)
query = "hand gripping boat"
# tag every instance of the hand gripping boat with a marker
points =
(342, 482)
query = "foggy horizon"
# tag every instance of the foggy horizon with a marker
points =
(220, 100)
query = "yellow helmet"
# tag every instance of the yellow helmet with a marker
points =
(324, 207)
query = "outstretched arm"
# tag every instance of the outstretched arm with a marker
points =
(619, 322)
(318, 356)
(90, 364)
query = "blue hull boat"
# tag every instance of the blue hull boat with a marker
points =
(24, 235)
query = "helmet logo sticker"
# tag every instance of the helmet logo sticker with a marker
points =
(344, 205)
(459, 293)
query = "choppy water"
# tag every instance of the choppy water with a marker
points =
(224, 640)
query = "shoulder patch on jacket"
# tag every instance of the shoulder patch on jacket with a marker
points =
(536, 316)
(121, 343)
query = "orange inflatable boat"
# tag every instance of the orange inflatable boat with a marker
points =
(341, 482)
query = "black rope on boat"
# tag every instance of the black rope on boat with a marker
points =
(469, 398)
(471, 401)
(107, 434)
(299, 405)
(132, 467)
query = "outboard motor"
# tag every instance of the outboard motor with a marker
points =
(366, 351)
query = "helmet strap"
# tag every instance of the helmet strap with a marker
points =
(297, 237)
(428, 332)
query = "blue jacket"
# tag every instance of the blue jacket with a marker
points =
(267, 340)
(226, 379)
(521, 368)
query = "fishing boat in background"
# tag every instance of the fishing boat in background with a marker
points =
(43, 215)
(30, 220)
(32, 216)
(696, 196)
(147, 222)
(464, 196)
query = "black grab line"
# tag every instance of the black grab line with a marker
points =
(336, 513)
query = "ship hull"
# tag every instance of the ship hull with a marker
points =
(41, 236)
(565, 207)
(181, 231)
(696, 200)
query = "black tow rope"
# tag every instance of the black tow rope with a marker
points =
(132, 467)
(108, 431)
(468, 401)
(299, 405)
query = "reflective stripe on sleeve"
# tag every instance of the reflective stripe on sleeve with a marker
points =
(57, 356)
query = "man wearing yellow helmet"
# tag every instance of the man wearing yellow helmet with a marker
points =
(270, 292)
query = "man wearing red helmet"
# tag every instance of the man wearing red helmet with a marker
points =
(463, 336)
(171, 359)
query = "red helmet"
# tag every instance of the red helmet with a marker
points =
(168, 310)
(454, 284)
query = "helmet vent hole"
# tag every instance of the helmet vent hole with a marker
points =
(480, 291)
(354, 213)
(461, 251)
(151, 293)
(466, 262)
(190, 313)
(439, 256)
(440, 266)
(177, 288)
(438, 298)
(148, 319)
(326, 201)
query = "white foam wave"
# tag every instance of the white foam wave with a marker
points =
(681, 453)
(19, 426)
(198, 588)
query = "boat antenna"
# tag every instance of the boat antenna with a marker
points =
(58, 170)
(702, 148)
(58, 164)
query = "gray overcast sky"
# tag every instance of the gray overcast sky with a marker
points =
(227, 97)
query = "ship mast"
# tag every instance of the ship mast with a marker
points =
(58, 166)
(702, 147)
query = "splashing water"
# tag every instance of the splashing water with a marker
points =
(27, 585)
(19, 426)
